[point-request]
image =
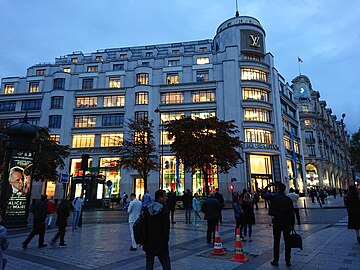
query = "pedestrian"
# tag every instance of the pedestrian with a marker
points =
(312, 195)
(196, 206)
(220, 198)
(146, 199)
(352, 203)
(39, 210)
(4, 243)
(322, 196)
(334, 192)
(62, 212)
(157, 232)
(282, 210)
(187, 202)
(77, 203)
(340, 192)
(134, 211)
(171, 203)
(249, 216)
(211, 207)
(125, 197)
(256, 199)
(51, 211)
(238, 214)
(295, 197)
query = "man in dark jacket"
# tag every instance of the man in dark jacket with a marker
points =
(211, 207)
(171, 203)
(39, 211)
(220, 198)
(281, 208)
(62, 212)
(157, 232)
(187, 201)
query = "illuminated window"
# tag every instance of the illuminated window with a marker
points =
(256, 114)
(123, 56)
(172, 174)
(31, 105)
(9, 88)
(88, 83)
(141, 98)
(172, 78)
(142, 78)
(59, 84)
(203, 114)
(114, 82)
(40, 72)
(86, 102)
(67, 70)
(141, 115)
(112, 120)
(202, 60)
(287, 142)
(83, 140)
(254, 74)
(307, 122)
(115, 139)
(74, 60)
(172, 98)
(297, 147)
(255, 93)
(202, 76)
(55, 138)
(54, 121)
(7, 106)
(248, 56)
(260, 164)
(172, 63)
(203, 96)
(57, 102)
(140, 137)
(92, 68)
(33, 87)
(118, 67)
(167, 117)
(82, 121)
(165, 139)
(258, 135)
(114, 101)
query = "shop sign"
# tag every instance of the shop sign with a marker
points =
(261, 146)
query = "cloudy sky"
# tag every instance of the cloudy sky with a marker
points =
(324, 33)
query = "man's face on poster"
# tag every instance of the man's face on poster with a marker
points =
(16, 180)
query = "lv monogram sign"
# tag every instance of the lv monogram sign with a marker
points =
(255, 41)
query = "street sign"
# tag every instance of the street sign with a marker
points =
(64, 178)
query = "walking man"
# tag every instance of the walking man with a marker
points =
(220, 198)
(171, 203)
(39, 211)
(187, 201)
(62, 212)
(282, 210)
(211, 207)
(295, 197)
(77, 204)
(133, 210)
(157, 232)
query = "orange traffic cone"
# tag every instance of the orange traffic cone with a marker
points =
(218, 248)
(239, 254)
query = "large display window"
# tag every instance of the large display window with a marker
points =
(198, 183)
(173, 175)
(109, 169)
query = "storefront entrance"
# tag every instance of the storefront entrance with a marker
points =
(260, 181)
(139, 187)
(261, 171)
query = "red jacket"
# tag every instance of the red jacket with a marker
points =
(51, 207)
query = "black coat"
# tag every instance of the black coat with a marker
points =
(157, 230)
(212, 208)
(220, 198)
(187, 200)
(171, 201)
(249, 215)
(353, 208)
(39, 209)
(62, 212)
(281, 208)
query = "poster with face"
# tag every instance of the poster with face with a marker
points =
(20, 168)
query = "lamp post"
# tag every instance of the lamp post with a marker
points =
(162, 148)
(345, 148)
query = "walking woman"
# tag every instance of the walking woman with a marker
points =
(352, 203)
(238, 214)
(249, 216)
(196, 206)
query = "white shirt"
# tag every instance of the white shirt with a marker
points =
(134, 210)
(294, 197)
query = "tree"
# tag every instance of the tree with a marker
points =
(203, 143)
(354, 150)
(138, 147)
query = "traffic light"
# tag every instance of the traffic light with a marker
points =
(84, 162)
(231, 187)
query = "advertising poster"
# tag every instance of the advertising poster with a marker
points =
(20, 168)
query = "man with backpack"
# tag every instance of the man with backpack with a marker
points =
(157, 232)
(133, 210)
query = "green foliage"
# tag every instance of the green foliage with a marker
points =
(137, 151)
(354, 150)
(202, 143)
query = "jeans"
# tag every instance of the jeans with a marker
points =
(188, 214)
(76, 217)
(277, 229)
(239, 225)
(211, 224)
(164, 259)
(248, 226)
(61, 234)
(196, 217)
(38, 228)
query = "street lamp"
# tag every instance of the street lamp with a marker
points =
(162, 148)
(345, 148)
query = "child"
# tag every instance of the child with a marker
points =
(3, 243)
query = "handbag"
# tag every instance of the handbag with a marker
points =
(295, 240)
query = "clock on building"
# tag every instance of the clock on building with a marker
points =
(302, 92)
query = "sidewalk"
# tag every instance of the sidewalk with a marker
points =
(330, 202)
(106, 246)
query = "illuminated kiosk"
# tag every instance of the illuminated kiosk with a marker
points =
(16, 176)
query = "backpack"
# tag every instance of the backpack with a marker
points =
(139, 228)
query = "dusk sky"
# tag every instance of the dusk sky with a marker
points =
(323, 33)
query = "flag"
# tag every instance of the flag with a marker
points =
(300, 60)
